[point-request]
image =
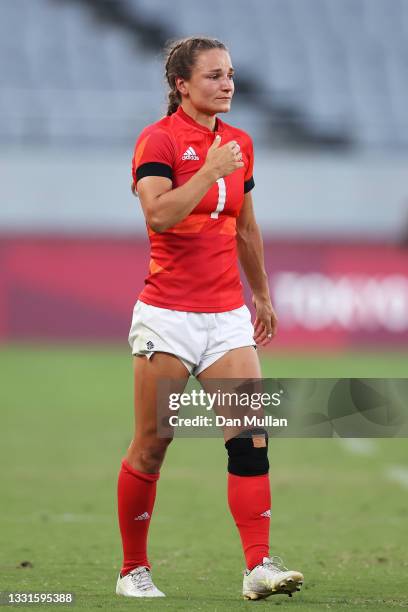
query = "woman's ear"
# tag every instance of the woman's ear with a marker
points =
(182, 86)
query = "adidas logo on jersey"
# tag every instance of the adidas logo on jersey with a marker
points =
(190, 154)
(142, 517)
(266, 514)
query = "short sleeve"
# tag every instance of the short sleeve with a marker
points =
(154, 155)
(249, 182)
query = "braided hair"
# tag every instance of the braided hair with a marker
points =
(181, 56)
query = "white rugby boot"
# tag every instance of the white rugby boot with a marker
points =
(138, 583)
(270, 578)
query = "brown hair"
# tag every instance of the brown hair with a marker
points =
(181, 56)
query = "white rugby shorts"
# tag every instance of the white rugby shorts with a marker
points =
(198, 339)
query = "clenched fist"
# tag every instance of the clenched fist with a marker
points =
(223, 160)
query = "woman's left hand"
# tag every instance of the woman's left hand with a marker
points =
(266, 321)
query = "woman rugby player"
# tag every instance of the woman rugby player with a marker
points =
(193, 175)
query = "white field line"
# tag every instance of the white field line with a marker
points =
(69, 517)
(66, 517)
(398, 473)
(359, 446)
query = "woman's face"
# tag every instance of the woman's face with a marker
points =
(211, 86)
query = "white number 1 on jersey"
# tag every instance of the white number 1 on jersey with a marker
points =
(222, 196)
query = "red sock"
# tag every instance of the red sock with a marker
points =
(136, 495)
(249, 499)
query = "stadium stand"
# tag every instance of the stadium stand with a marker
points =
(320, 72)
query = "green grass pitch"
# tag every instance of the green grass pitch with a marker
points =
(66, 420)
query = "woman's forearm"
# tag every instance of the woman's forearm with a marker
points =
(251, 257)
(175, 205)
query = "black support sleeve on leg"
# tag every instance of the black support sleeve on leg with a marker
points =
(248, 455)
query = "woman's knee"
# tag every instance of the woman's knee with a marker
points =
(152, 453)
(147, 453)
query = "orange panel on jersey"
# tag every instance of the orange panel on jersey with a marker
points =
(193, 224)
(154, 267)
(229, 226)
(139, 151)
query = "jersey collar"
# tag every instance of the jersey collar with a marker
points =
(183, 115)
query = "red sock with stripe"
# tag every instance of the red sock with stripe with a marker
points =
(249, 499)
(136, 496)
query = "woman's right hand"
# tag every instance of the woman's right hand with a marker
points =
(223, 160)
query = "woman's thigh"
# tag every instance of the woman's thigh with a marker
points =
(241, 362)
(147, 376)
(228, 372)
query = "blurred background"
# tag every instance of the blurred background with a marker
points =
(321, 86)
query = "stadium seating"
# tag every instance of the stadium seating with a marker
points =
(337, 68)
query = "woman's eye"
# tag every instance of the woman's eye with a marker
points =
(216, 76)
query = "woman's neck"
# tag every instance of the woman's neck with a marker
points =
(208, 121)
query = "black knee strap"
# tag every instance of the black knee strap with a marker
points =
(248, 453)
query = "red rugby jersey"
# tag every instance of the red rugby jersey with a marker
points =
(194, 264)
